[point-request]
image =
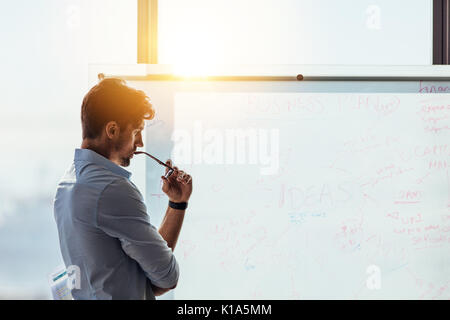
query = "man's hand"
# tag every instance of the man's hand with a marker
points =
(178, 186)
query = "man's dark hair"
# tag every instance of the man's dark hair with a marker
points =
(112, 100)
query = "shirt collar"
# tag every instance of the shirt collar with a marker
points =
(92, 156)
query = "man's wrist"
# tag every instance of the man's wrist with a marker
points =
(178, 200)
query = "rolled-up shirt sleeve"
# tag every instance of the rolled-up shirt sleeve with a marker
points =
(122, 214)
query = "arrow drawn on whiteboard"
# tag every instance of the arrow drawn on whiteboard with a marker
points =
(420, 180)
(369, 198)
(332, 165)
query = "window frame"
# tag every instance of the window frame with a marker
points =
(441, 33)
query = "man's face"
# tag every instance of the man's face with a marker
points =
(129, 140)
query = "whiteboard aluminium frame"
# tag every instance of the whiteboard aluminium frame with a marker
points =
(159, 72)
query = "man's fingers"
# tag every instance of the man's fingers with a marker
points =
(174, 174)
(165, 183)
(169, 163)
(178, 175)
(184, 178)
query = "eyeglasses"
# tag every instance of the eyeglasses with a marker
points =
(169, 172)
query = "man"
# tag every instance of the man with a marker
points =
(102, 221)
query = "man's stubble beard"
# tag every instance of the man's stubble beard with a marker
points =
(124, 161)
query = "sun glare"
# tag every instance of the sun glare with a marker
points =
(192, 68)
(193, 58)
(188, 39)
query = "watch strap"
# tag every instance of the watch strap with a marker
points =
(178, 205)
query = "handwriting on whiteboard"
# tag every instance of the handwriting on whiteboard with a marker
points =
(433, 87)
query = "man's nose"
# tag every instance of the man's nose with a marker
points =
(139, 143)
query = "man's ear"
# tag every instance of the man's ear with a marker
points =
(112, 130)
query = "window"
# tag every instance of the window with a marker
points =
(291, 32)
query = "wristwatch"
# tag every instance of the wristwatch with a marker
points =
(178, 205)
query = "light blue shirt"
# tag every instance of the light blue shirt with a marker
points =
(105, 230)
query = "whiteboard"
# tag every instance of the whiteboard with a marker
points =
(332, 190)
